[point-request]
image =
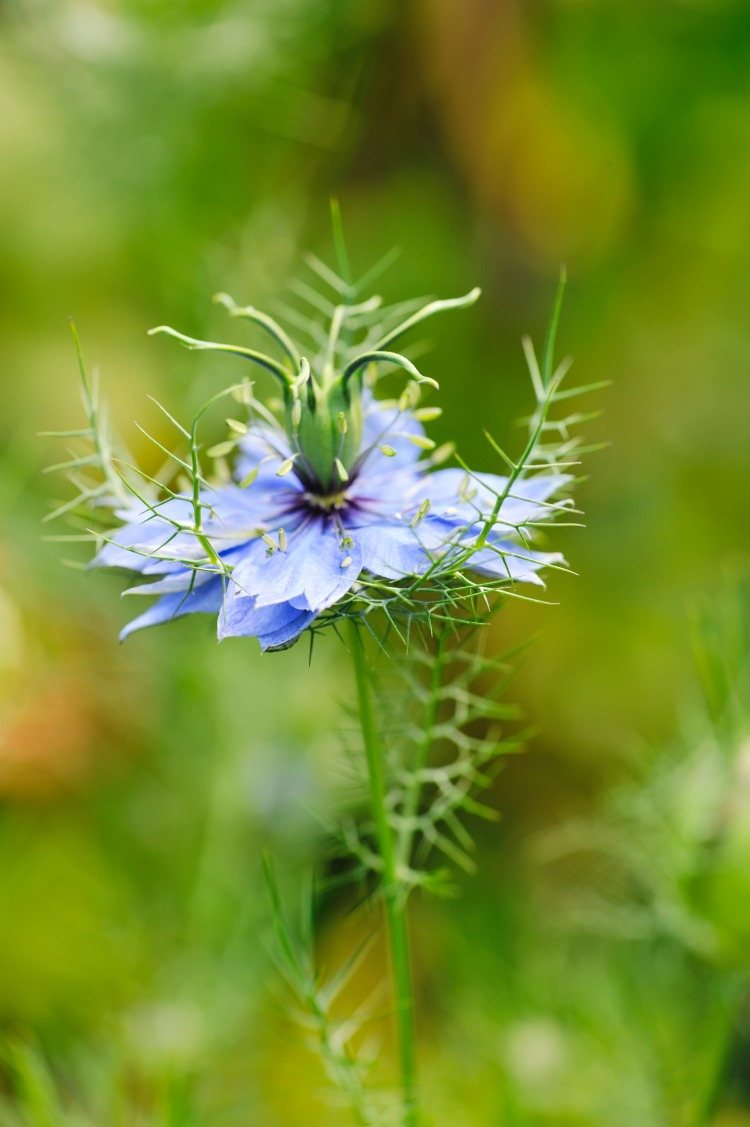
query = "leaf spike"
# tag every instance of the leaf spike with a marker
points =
(263, 320)
(437, 306)
(549, 343)
(378, 356)
(196, 345)
(339, 242)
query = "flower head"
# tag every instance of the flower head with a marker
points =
(336, 502)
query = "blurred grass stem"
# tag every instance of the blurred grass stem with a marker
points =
(395, 903)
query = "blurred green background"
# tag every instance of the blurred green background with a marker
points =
(155, 152)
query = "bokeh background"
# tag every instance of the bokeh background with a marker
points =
(153, 152)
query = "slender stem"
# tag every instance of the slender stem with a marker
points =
(395, 903)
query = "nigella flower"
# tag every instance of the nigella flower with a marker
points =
(337, 500)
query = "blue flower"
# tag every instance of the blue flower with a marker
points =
(343, 495)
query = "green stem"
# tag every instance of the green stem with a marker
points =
(395, 902)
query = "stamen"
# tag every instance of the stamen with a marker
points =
(222, 471)
(346, 561)
(421, 441)
(244, 393)
(341, 470)
(466, 490)
(286, 466)
(282, 540)
(428, 414)
(421, 513)
(387, 450)
(222, 448)
(409, 397)
(443, 453)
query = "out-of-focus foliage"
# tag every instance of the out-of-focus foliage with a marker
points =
(154, 153)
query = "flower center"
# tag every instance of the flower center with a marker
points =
(327, 503)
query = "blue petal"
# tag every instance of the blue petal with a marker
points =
(181, 578)
(263, 449)
(229, 517)
(136, 545)
(464, 497)
(395, 550)
(205, 599)
(317, 568)
(385, 424)
(384, 495)
(275, 627)
(231, 510)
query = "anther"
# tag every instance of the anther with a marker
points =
(222, 448)
(409, 397)
(443, 453)
(421, 513)
(466, 490)
(286, 466)
(244, 393)
(421, 441)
